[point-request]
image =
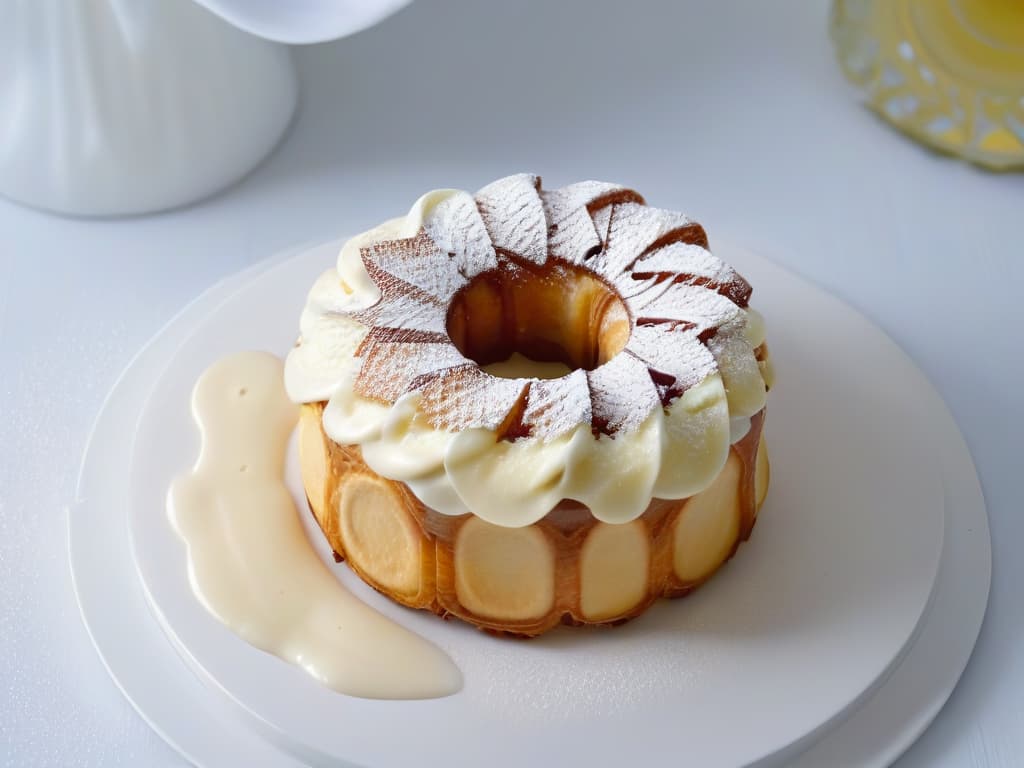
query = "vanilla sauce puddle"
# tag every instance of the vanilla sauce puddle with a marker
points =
(250, 563)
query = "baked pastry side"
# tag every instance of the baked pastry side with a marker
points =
(566, 568)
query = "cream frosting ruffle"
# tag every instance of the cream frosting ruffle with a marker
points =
(676, 452)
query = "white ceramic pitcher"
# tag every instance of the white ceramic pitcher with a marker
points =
(114, 107)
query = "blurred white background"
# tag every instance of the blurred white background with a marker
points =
(734, 112)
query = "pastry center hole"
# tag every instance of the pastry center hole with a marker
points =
(542, 322)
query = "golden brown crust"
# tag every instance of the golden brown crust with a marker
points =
(525, 581)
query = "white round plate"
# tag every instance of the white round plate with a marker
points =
(817, 608)
(621, 689)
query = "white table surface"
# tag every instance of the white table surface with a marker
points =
(732, 111)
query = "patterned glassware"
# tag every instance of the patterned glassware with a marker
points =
(948, 72)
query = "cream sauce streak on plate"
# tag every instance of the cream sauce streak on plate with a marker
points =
(250, 563)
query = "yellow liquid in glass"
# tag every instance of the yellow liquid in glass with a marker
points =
(948, 72)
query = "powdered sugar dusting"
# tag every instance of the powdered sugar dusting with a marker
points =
(682, 302)
(514, 216)
(694, 264)
(415, 261)
(622, 394)
(676, 293)
(458, 398)
(572, 232)
(602, 224)
(638, 292)
(596, 194)
(675, 356)
(394, 359)
(457, 228)
(402, 306)
(634, 228)
(556, 406)
(684, 258)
